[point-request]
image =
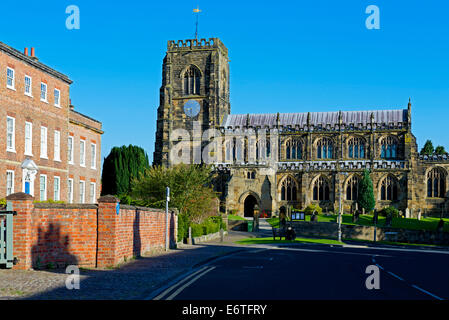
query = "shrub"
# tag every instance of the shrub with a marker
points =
(183, 227)
(389, 211)
(197, 230)
(3, 203)
(311, 208)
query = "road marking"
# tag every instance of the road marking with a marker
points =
(158, 297)
(189, 283)
(412, 285)
(427, 292)
(395, 275)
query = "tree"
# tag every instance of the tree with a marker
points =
(428, 149)
(190, 190)
(121, 167)
(440, 150)
(366, 198)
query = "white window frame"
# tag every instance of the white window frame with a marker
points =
(45, 99)
(12, 87)
(93, 160)
(44, 142)
(57, 146)
(43, 197)
(11, 172)
(70, 145)
(70, 190)
(11, 148)
(92, 192)
(82, 153)
(57, 191)
(82, 191)
(29, 151)
(30, 94)
(58, 104)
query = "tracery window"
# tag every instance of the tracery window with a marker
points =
(389, 189)
(325, 149)
(352, 188)
(192, 81)
(389, 148)
(289, 189)
(436, 183)
(356, 148)
(293, 149)
(321, 190)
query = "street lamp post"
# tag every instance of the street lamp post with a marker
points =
(340, 208)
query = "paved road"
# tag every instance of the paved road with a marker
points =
(316, 272)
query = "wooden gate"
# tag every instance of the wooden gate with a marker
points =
(6, 237)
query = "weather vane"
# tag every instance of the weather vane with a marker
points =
(197, 11)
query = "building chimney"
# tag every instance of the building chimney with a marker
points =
(25, 52)
(33, 54)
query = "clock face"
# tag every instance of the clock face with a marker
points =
(192, 108)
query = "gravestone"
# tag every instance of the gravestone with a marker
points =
(419, 214)
(314, 218)
(407, 213)
(355, 217)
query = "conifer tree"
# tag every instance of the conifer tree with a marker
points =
(428, 149)
(121, 167)
(366, 198)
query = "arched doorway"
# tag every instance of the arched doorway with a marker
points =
(249, 204)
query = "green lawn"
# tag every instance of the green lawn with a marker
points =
(270, 240)
(235, 217)
(366, 220)
(298, 240)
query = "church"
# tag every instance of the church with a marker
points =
(278, 161)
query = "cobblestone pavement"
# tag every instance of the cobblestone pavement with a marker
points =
(133, 280)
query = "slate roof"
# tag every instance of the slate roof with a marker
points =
(316, 118)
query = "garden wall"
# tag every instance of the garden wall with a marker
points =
(330, 229)
(88, 235)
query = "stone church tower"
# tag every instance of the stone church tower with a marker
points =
(194, 72)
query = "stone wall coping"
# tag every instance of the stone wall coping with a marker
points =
(65, 206)
(131, 207)
(108, 199)
(20, 196)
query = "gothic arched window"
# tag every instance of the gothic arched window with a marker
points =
(356, 148)
(325, 149)
(352, 188)
(389, 189)
(293, 149)
(389, 148)
(289, 189)
(436, 183)
(192, 81)
(321, 190)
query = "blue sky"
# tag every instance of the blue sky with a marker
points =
(286, 56)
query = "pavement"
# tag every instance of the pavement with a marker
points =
(133, 280)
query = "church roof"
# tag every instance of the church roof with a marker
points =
(316, 118)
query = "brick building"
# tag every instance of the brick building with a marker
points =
(47, 149)
(282, 160)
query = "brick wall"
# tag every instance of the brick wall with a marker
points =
(88, 235)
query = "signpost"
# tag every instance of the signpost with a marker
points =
(166, 218)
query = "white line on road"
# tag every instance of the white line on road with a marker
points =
(189, 283)
(395, 275)
(427, 292)
(179, 283)
(412, 285)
